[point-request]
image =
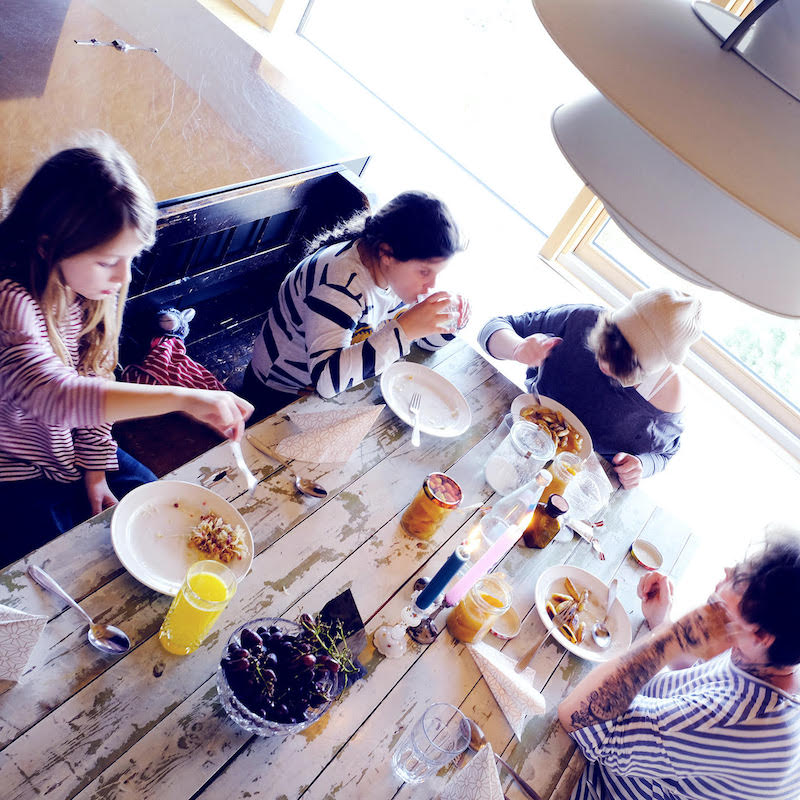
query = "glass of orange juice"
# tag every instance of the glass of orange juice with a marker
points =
(206, 590)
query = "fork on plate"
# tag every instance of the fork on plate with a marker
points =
(413, 408)
(241, 465)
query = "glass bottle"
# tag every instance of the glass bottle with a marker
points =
(513, 508)
(546, 523)
(487, 600)
(563, 468)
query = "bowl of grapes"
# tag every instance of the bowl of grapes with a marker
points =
(277, 677)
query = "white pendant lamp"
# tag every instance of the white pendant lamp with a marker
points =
(707, 180)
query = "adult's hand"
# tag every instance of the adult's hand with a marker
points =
(534, 349)
(628, 469)
(100, 496)
(428, 317)
(223, 411)
(656, 592)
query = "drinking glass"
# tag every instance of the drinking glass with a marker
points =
(517, 459)
(584, 495)
(203, 596)
(434, 740)
(501, 431)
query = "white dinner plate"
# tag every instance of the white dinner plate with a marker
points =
(443, 412)
(150, 530)
(552, 580)
(524, 400)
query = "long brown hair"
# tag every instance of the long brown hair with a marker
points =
(608, 344)
(78, 200)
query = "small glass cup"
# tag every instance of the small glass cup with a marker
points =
(439, 495)
(517, 459)
(458, 309)
(487, 600)
(501, 431)
(584, 495)
(434, 740)
(203, 596)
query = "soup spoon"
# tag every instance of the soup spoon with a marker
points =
(303, 485)
(104, 637)
(600, 632)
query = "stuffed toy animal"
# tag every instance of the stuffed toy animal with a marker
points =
(167, 362)
(173, 322)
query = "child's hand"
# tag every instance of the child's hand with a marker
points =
(428, 317)
(100, 496)
(223, 411)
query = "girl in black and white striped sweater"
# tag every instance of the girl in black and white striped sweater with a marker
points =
(349, 309)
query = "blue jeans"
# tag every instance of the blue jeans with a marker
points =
(37, 510)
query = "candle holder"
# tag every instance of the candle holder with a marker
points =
(426, 631)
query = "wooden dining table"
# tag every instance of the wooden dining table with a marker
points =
(150, 725)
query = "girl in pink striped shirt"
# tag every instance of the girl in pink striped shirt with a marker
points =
(65, 256)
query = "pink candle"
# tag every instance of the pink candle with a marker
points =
(492, 556)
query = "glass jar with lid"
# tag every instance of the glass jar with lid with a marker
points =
(439, 495)
(517, 459)
(487, 600)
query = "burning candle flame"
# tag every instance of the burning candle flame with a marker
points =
(472, 541)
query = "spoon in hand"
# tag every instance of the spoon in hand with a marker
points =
(477, 741)
(104, 637)
(600, 632)
(303, 485)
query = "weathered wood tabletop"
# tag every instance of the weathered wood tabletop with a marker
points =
(150, 725)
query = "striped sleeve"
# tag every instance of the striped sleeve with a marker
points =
(95, 448)
(34, 379)
(738, 740)
(336, 363)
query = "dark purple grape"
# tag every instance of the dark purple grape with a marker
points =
(239, 665)
(250, 640)
(307, 621)
(271, 660)
(308, 661)
(317, 699)
(274, 629)
(331, 664)
(304, 647)
(261, 630)
(269, 675)
(276, 636)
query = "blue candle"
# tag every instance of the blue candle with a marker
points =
(442, 578)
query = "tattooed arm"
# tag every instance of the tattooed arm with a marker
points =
(611, 687)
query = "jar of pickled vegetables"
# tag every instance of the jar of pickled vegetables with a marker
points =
(487, 600)
(563, 468)
(439, 495)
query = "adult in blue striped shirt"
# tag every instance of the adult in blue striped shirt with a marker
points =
(726, 728)
(349, 309)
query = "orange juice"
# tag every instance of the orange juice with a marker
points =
(205, 592)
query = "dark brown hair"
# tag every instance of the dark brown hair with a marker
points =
(608, 344)
(772, 596)
(416, 225)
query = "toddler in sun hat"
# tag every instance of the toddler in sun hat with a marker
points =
(660, 325)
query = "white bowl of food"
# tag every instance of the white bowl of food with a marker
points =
(568, 431)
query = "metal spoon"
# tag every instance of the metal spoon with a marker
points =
(303, 485)
(104, 637)
(600, 632)
(477, 741)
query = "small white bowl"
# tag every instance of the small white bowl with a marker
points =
(646, 554)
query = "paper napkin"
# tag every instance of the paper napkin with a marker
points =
(327, 436)
(513, 691)
(477, 781)
(19, 632)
